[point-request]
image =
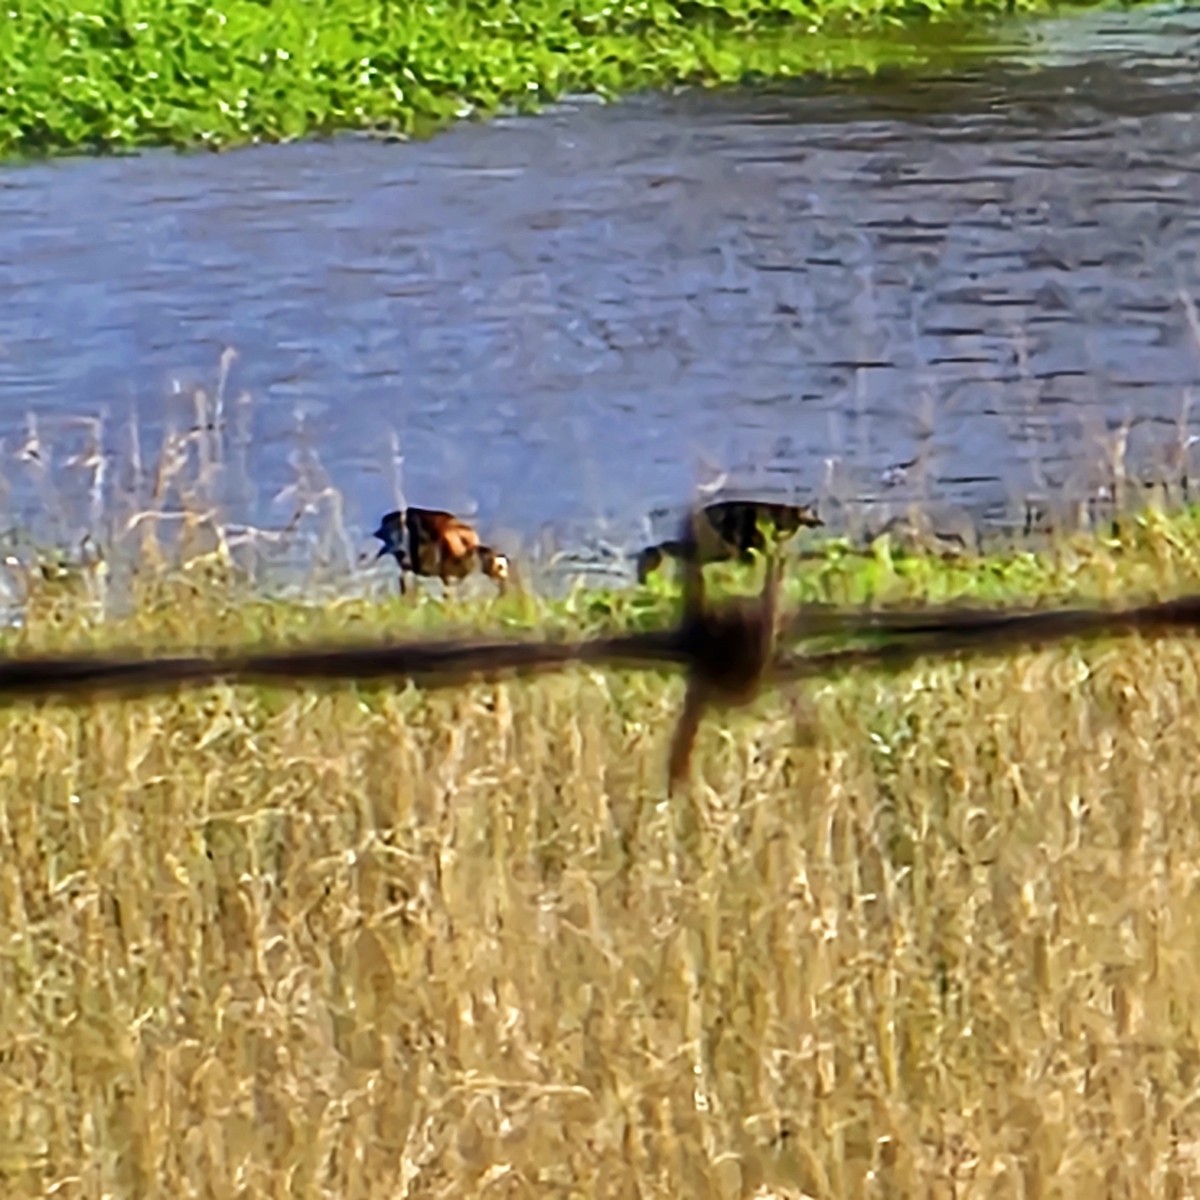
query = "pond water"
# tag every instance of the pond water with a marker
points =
(951, 289)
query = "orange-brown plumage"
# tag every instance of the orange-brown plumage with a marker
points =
(432, 542)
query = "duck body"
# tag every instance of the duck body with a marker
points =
(436, 543)
(729, 530)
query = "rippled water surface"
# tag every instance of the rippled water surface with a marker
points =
(556, 319)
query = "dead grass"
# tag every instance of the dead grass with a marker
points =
(378, 944)
(368, 944)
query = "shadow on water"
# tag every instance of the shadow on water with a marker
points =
(950, 287)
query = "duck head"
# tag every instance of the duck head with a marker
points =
(392, 534)
(494, 565)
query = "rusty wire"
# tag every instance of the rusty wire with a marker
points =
(727, 652)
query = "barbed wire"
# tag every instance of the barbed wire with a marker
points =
(727, 651)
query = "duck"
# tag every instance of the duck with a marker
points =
(729, 530)
(432, 542)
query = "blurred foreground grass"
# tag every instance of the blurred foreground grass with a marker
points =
(375, 943)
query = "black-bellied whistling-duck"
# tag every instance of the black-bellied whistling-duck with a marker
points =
(427, 541)
(729, 530)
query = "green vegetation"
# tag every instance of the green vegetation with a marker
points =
(106, 74)
(926, 935)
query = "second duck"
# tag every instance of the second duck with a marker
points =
(729, 530)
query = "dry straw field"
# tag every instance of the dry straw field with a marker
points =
(933, 935)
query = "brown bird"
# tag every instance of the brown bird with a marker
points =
(428, 541)
(729, 530)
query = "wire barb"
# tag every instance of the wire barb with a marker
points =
(728, 650)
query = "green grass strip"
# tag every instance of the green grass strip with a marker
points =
(113, 74)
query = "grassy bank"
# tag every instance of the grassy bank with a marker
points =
(370, 944)
(114, 73)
